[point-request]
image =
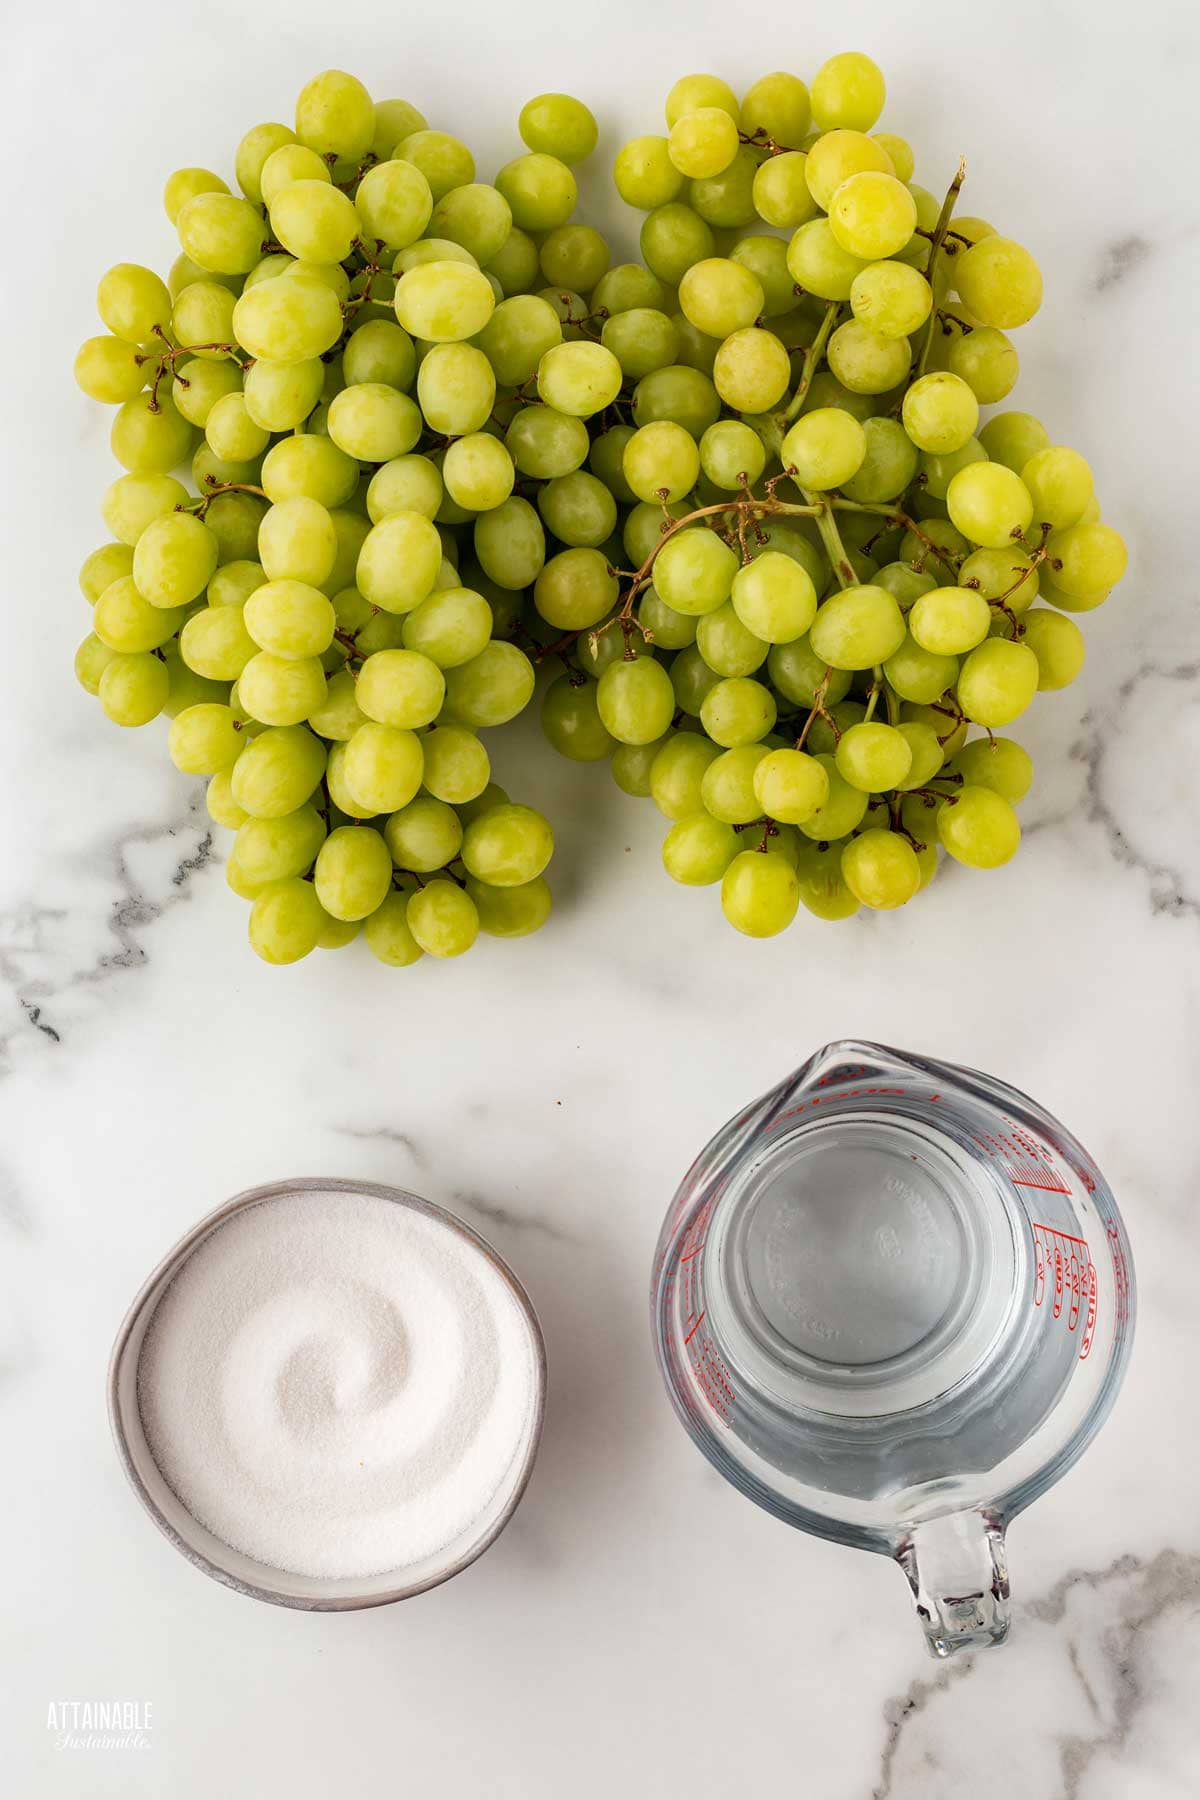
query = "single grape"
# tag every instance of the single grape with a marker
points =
(444, 302)
(989, 504)
(823, 892)
(1058, 644)
(918, 674)
(881, 869)
(979, 828)
(444, 161)
(126, 621)
(825, 448)
(280, 690)
(644, 175)
(819, 264)
(848, 91)
(572, 723)
(133, 687)
(987, 361)
(841, 812)
(457, 768)
(677, 774)
(395, 120)
(579, 379)
(558, 125)
(478, 472)
(540, 189)
(999, 282)
(339, 714)
(450, 627)
(782, 196)
(630, 765)
(406, 484)
(353, 872)
(509, 912)
(661, 462)
(335, 116)
(997, 763)
(864, 361)
(752, 370)
(1085, 559)
(204, 740)
(277, 849)
(578, 509)
(948, 621)
(698, 850)
(546, 444)
(150, 442)
(997, 681)
(383, 766)
(798, 672)
(683, 395)
(1012, 438)
(790, 785)
(858, 628)
(694, 571)
(891, 299)
(926, 753)
(286, 921)
(399, 562)
(510, 543)
(738, 711)
(674, 237)
(727, 645)
(401, 687)
(760, 893)
(667, 628)
(872, 215)
(727, 785)
(387, 933)
(887, 468)
(940, 412)
(507, 845)
(873, 757)
(731, 453)
(491, 689)
(636, 700)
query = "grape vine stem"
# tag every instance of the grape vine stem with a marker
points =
(812, 357)
(936, 241)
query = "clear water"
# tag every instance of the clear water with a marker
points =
(868, 1280)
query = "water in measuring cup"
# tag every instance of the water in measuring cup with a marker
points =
(869, 1284)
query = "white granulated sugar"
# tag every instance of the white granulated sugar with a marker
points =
(337, 1385)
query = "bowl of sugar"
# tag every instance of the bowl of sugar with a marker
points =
(329, 1394)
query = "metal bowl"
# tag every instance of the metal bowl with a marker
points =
(243, 1573)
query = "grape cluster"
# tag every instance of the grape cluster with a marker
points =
(737, 492)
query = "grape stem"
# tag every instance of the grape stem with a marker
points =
(213, 487)
(896, 516)
(817, 710)
(831, 537)
(937, 239)
(812, 357)
(166, 359)
(761, 139)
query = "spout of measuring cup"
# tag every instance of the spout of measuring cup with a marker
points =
(958, 1573)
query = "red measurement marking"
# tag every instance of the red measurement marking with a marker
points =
(695, 1328)
(1026, 1163)
(1064, 1263)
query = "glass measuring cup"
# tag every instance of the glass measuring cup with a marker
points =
(892, 1302)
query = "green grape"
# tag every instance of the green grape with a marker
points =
(719, 296)
(517, 336)
(335, 116)
(900, 151)
(223, 809)
(691, 92)
(698, 850)
(871, 214)
(979, 828)
(394, 120)
(677, 774)
(752, 371)
(574, 256)
(450, 627)
(510, 543)
(776, 105)
(314, 221)
(727, 788)
(940, 412)
(644, 175)
(881, 869)
(444, 302)
(824, 449)
(774, 598)
(387, 933)
(703, 143)
(185, 184)
(280, 690)
(873, 757)
(635, 700)
(997, 763)
(823, 892)
(738, 711)
(790, 786)
(431, 250)
(110, 370)
(887, 468)
(133, 687)
(350, 529)
(407, 484)
(839, 155)
(940, 544)
(278, 848)
(937, 471)
(918, 674)
(594, 650)
(297, 542)
(1084, 559)
(1012, 438)
(645, 525)
(858, 628)
(661, 462)
(540, 189)
(841, 812)
(509, 912)
(133, 303)
(848, 91)
(339, 714)
(578, 509)
(253, 153)
(642, 339)
(694, 571)
(824, 730)
(986, 360)
(443, 919)
(579, 379)
(668, 629)
(216, 644)
(456, 388)
(125, 620)
(400, 687)
(198, 386)
(631, 765)
(696, 351)
(373, 422)
(727, 645)
(1006, 575)
(507, 845)
(798, 672)
(277, 772)
(948, 621)
(760, 893)
(339, 791)
(629, 287)
(92, 657)
(1060, 483)
(399, 561)
(782, 196)
(571, 721)
(474, 215)
(731, 453)
(174, 560)
(989, 504)
(287, 321)
(280, 396)
(560, 126)
(1058, 645)
(904, 582)
(997, 681)
(891, 299)
(926, 753)
(686, 396)
(766, 259)
(866, 362)
(546, 444)
(999, 282)
(221, 232)
(672, 238)
(394, 201)
(457, 768)
(353, 872)
(478, 472)
(383, 766)
(491, 689)
(574, 589)
(337, 933)
(943, 719)
(204, 739)
(150, 442)
(102, 567)
(726, 200)
(231, 433)
(380, 351)
(444, 161)
(286, 920)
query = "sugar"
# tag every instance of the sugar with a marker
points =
(337, 1385)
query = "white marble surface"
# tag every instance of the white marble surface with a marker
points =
(640, 1629)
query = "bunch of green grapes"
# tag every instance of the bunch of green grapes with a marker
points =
(350, 355)
(737, 493)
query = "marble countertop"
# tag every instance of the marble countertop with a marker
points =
(640, 1629)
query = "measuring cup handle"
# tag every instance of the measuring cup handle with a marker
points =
(958, 1573)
